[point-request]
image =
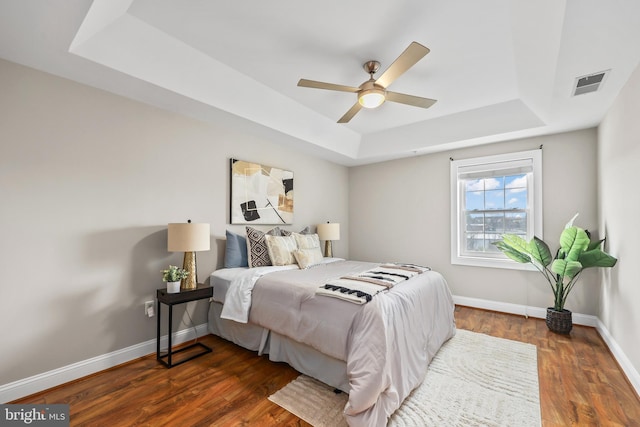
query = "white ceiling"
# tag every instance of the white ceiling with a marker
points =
(500, 69)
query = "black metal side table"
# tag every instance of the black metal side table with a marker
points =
(201, 292)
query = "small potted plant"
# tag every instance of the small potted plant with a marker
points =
(173, 275)
(576, 253)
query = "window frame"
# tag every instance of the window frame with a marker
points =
(534, 214)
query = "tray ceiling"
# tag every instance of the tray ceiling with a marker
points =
(499, 69)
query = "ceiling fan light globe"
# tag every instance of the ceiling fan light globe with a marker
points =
(371, 98)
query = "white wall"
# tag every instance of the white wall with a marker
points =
(88, 182)
(400, 211)
(619, 204)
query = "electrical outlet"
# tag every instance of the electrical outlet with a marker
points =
(148, 308)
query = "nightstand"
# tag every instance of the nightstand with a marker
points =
(201, 292)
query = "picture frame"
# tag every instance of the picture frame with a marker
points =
(260, 194)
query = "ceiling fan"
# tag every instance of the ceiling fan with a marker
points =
(373, 93)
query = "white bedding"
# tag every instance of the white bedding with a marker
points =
(221, 280)
(386, 343)
(239, 283)
(237, 301)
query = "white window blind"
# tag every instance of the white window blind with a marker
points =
(495, 169)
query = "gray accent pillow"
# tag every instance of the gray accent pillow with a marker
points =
(235, 254)
(305, 230)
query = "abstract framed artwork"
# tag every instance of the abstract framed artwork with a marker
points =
(260, 194)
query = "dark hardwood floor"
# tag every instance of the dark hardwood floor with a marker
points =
(580, 383)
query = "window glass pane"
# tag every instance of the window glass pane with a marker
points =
(488, 242)
(474, 242)
(516, 223)
(516, 181)
(494, 183)
(515, 199)
(494, 199)
(494, 222)
(482, 242)
(474, 200)
(474, 185)
(474, 223)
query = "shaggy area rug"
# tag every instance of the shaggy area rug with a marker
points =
(474, 380)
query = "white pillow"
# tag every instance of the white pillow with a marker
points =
(281, 249)
(308, 257)
(307, 241)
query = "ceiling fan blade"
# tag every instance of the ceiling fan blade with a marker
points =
(415, 101)
(329, 86)
(407, 59)
(349, 114)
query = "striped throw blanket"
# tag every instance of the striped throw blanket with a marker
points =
(361, 288)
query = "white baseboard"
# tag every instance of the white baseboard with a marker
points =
(620, 356)
(579, 319)
(40, 382)
(522, 310)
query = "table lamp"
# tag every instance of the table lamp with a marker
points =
(188, 238)
(328, 232)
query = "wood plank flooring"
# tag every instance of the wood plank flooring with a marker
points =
(580, 383)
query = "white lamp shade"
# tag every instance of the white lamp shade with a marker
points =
(328, 231)
(188, 237)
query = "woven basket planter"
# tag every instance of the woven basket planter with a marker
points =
(559, 321)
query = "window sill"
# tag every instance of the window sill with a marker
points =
(491, 263)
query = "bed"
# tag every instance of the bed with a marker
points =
(376, 350)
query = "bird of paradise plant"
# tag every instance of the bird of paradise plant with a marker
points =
(576, 253)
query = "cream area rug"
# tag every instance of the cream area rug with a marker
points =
(474, 380)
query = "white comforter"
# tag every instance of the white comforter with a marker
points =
(237, 302)
(386, 343)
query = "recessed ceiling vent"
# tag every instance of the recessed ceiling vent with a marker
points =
(589, 83)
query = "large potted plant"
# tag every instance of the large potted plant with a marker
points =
(576, 253)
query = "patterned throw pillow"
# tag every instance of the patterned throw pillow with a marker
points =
(257, 251)
(281, 249)
(308, 257)
(307, 241)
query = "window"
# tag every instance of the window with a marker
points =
(492, 196)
